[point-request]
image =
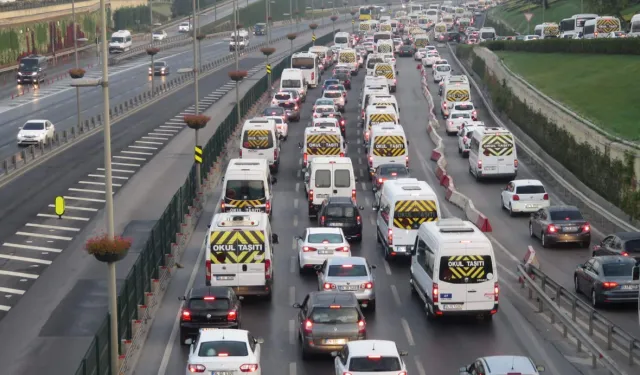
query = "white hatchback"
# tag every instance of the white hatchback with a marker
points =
(420, 53)
(455, 121)
(219, 351)
(430, 58)
(524, 196)
(320, 244)
(370, 357)
(441, 72)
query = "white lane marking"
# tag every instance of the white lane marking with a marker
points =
(84, 199)
(419, 366)
(292, 264)
(65, 217)
(292, 332)
(293, 369)
(87, 191)
(160, 135)
(292, 295)
(31, 247)
(299, 173)
(12, 291)
(358, 142)
(125, 164)
(25, 259)
(300, 162)
(120, 170)
(294, 243)
(166, 131)
(19, 274)
(387, 269)
(149, 143)
(360, 151)
(295, 220)
(54, 227)
(361, 173)
(76, 208)
(372, 219)
(112, 177)
(366, 199)
(97, 183)
(171, 126)
(359, 159)
(137, 153)
(396, 296)
(297, 186)
(144, 147)
(295, 203)
(5, 308)
(156, 138)
(364, 186)
(188, 112)
(128, 158)
(40, 235)
(407, 331)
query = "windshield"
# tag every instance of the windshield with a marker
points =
(372, 62)
(223, 349)
(117, 39)
(443, 68)
(245, 190)
(336, 88)
(291, 83)
(328, 124)
(467, 269)
(324, 238)
(460, 115)
(257, 139)
(618, 269)
(341, 212)
(326, 315)
(33, 126)
(389, 170)
(566, 215)
(632, 246)
(274, 111)
(29, 65)
(348, 270)
(209, 304)
(374, 364)
(325, 110)
(303, 63)
(341, 40)
(158, 33)
(531, 189)
(488, 35)
(160, 64)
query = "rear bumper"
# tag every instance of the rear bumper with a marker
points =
(440, 312)
(528, 207)
(254, 290)
(310, 346)
(191, 330)
(569, 238)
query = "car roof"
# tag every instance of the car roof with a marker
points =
(36, 120)
(527, 183)
(211, 334)
(608, 259)
(628, 235)
(211, 291)
(314, 230)
(347, 260)
(326, 106)
(367, 347)
(500, 364)
(563, 208)
(326, 299)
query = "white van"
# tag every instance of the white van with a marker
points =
(600, 27)
(376, 115)
(385, 46)
(547, 30)
(487, 34)
(307, 63)
(294, 79)
(322, 141)
(325, 56)
(239, 40)
(492, 154)
(379, 89)
(389, 145)
(328, 177)
(239, 253)
(349, 57)
(401, 206)
(247, 186)
(342, 40)
(386, 70)
(388, 100)
(634, 28)
(121, 41)
(259, 140)
(454, 270)
(372, 60)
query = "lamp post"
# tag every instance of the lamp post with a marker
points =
(151, 20)
(291, 37)
(333, 19)
(237, 27)
(353, 20)
(195, 83)
(268, 51)
(78, 74)
(152, 51)
(313, 28)
(297, 13)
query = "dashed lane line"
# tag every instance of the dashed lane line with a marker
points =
(53, 227)
(25, 259)
(5, 308)
(19, 274)
(79, 190)
(126, 165)
(98, 183)
(156, 138)
(149, 143)
(112, 177)
(32, 247)
(72, 208)
(129, 158)
(144, 147)
(48, 236)
(407, 331)
(12, 291)
(419, 366)
(77, 218)
(97, 200)
(119, 170)
(137, 153)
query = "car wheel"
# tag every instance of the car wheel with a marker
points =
(459, 150)
(543, 240)
(300, 269)
(584, 244)
(594, 299)
(575, 284)
(372, 305)
(531, 234)
(305, 354)
(511, 213)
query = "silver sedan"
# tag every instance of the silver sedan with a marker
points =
(349, 274)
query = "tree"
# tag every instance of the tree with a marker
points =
(608, 7)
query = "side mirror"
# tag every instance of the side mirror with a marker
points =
(299, 144)
(334, 354)
(297, 305)
(373, 266)
(413, 251)
(317, 267)
(374, 208)
(355, 179)
(209, 226)
(636, 273)
(182, 298)
(189, 342)
(259, 340)
(403, 353)
(408, 143)
(582, 266)
(540, 368)
(463, 371)
(361, 208)
(192, 348)
(19, 127)
(281, 137)
(274, 238)
(274, 180)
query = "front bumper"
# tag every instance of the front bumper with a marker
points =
(30, 141)
(27, 79)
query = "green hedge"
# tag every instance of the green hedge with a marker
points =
(611, 179)
(617, 46)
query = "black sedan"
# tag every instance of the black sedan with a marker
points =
(560, 224)
(608, 279)
(386, 172)
(160, 68)
(208, 307)
(344, 78)
(406, 51)
(342, 212)
(623, 243)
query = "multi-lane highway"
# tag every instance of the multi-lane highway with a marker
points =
(434, 348)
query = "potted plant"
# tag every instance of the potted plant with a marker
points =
(267, 51)
(269, 18)
(353, 12)
(313, 26)
(237, 75)
(239, 26)
(196, 122)
(152, 51)
(333, 18)
(292, 36)
(76, 73)
(200, 37)
(108, 249)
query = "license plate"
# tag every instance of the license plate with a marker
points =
(451, 306)
(350, 287)
(570, 229)
(335, 224)
(325, 252)
(335, 341)
(322, 195)
(531, 206)
(489, 168)
(222, 372)
(225, 277)
(630, 287)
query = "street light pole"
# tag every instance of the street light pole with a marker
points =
(75, 52)
(266, 6)
(151, 20)
(195, 83)
(235, 53)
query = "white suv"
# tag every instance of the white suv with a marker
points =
(184, 27)
(502, 364)
(369, 357)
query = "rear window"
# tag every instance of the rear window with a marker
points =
(372, 62)
(618, 269)
(257, 139)
(323, 178)
(325, 238)
(274, 111)
(283, 96)
(335, 88)
(632, 246)
(303, 63)
(531, 189)
(460, 115)
(332, 94)
(238, 189)
(342, 178)
(374, 364)
(355, 270)
(223, 349)
(291, 83)
(443, 68)
(326, 315)
(463, 107)
(390, 170)
(324, 110)
(339, 211)
(342, 40)
(329, 124)
(214, 304)
(331, 82)
(566, 215)
(466, 269)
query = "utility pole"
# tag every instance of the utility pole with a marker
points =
(195, 82)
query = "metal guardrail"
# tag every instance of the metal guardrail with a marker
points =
(589, 327)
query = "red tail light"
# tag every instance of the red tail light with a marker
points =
(296, 108)
(308, 326)
(342, 122)
(395, 81)
(313, 76)
(308, 249)
(353, 194)
(304, 159)
(362, 327)
(406, 161)
(515, 163)
(186, 316)
(479, 164)
(474, 113)
(516, 197)
(552, 228)
(328, 286)
(359, 220)
(435, 293)
(343, 249)
(267, 269)
(367, 286)
(609, 284)
(586, 228)
(624, 254)
(380, 180)
(249, 367)
(370, 161)
(402, 373)
(197, 368)
(240, 152)
(546, 197)
(207, 270)
(275, 154)
(232, 315)
(390, 237)
(310, 195)
(496, 292)
(268, 207)
(322, 220)
(342, 154)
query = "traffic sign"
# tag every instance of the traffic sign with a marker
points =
(313, 37)
(528, 16)
(59, 206)
(353, 22)
(198, 154)
(268, 68)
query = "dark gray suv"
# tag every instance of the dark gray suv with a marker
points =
(327, 321)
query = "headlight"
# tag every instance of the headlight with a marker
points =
(34, 73)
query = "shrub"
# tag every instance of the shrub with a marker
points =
(237, 75)
(76, 72)
(267, 51)
(152, 51)
(292, 36)
(196, 121)
(313, 26)
(104, 245)
(612, 46)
